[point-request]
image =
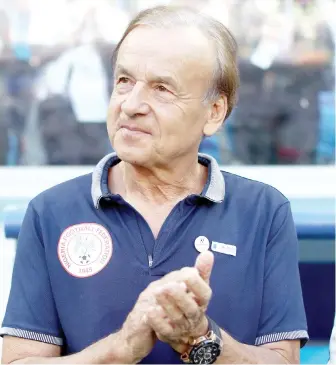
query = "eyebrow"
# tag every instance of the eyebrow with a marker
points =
(122, 70)
(163, 79)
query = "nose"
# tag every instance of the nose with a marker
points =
(135, 102)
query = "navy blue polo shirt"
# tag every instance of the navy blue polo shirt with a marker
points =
(84, 255)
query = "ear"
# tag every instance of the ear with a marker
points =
(216, 115)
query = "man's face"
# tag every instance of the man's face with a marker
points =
(157, 111)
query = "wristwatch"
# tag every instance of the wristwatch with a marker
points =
(205, 349)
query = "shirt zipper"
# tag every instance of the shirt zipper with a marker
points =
(150, 260)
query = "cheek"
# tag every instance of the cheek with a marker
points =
(181, 121)
(187, 129)
(115, 104)
(167, 128)
(112, 114)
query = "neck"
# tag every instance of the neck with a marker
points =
(161, 185)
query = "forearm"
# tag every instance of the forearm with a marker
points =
(235, 352)
(110, 350)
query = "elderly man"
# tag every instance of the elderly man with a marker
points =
(158, 256)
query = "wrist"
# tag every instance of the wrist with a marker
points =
(127, 352)
(203, 327)
(116, 351)
(186, 345)
(206, 347)
(110, 350)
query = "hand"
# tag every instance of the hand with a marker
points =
(137, 337)
(178, 313)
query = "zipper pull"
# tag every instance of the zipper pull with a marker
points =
(150, 260)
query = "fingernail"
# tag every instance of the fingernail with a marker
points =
(159, 310)
(183, 285)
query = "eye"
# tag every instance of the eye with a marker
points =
(161, 88)
(123, 80)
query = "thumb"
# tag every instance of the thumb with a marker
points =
(204, 264)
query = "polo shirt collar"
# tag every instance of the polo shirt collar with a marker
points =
(214, 189)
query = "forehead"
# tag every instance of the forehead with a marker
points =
(181, 51)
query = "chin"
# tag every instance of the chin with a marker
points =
(133, 155)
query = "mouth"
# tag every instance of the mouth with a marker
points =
(132, 130)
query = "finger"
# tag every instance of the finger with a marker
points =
(196, 285)
(168, 304)
(185, 303)
(204, 264)
(160, 325)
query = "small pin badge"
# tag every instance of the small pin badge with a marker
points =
(202, 244)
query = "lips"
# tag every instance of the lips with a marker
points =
(133, 128)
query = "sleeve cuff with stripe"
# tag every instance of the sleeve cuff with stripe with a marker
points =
(280, 336)
(31, 335)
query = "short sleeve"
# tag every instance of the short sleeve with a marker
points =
(31, 311)
(283, 314)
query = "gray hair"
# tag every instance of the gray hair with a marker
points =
(225, 76)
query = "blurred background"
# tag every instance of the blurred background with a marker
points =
(55, 64)
(56, 79)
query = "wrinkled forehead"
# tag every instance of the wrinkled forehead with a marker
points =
(181, 50)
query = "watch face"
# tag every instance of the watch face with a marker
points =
(206, 353)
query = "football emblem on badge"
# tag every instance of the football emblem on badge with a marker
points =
(85, 249)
